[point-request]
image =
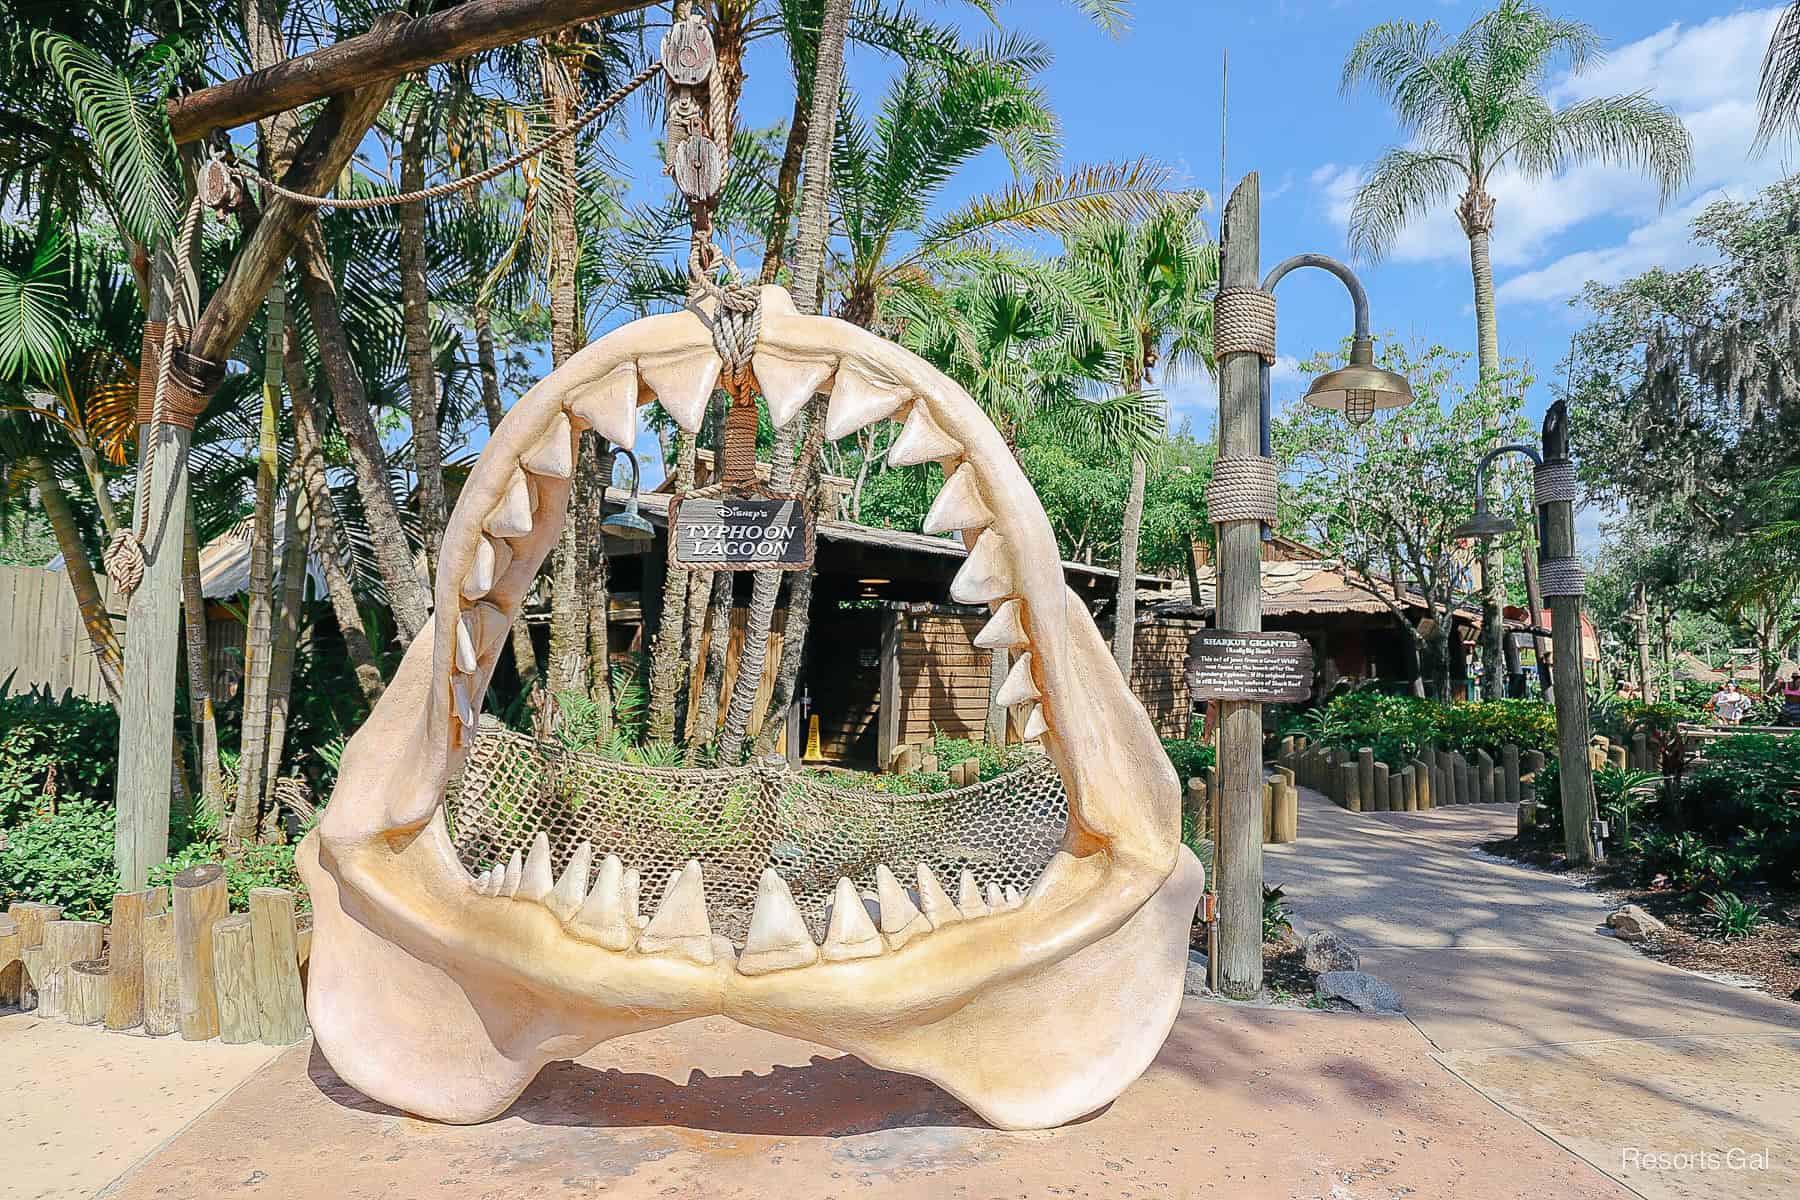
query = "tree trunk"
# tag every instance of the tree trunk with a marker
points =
(415, 308)
(523, 652)
(1125, 608)
(200, 701)
(1640, 617)
(407, 596)
(597, 465)
(787, 182)
(94, 617)
(309, 458)
(296, 528)
(90, 466)
(254, 735)
(668, 656)
(1476, 212)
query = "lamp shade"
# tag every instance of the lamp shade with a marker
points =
(1361, 388)
(1484, 524)
(629, 524)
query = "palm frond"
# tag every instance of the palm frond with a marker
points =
(34, 311)
(1057, 204)
(1631, 130)
(1402, 186)
(1778, 93)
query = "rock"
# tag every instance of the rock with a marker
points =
(1633, 924)
(1360, 990)
(1326, 951)
(1196, 975)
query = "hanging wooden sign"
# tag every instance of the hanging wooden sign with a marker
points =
(742, 533)
(1264, 668)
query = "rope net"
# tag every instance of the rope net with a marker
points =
(737, 822)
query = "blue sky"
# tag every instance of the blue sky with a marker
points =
(1156, 89)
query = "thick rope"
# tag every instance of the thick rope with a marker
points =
(1244, 322)
(1242, 489)
(450, 187)
(1562, 577)
(1555, 482)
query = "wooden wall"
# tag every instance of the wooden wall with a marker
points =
(1159, 672)
(740, 616)
(943, 677)
(41, 636)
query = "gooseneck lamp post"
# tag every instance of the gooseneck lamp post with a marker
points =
(629, 523)
(1563, 583)
(1241, 503)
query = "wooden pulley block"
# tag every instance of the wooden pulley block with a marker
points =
(686, 119)
(218, 188)
(687, 52)
(698, 168)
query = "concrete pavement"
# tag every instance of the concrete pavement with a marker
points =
(1507, 971)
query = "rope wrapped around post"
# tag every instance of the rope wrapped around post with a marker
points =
(1242, 489)
(1244, 322)
(1561, 577)
(1555, 482)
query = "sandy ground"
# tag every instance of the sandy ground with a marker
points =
(82, 1105)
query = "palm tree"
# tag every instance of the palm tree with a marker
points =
(1472, 106)
(1156, 278)
(1778, 96)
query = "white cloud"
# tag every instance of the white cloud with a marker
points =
(1195, 401)
(1707, 73)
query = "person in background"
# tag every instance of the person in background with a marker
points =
(1790, 699)
(1729, 704)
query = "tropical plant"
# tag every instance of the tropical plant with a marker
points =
(1778, 92)
(1729, 917)
(1622, 793)
(1277, 923)
(1473, 106)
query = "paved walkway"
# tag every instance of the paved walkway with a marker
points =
(1509, 974)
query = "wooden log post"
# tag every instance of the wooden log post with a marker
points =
(85, 991)
(1640, 752)
(125, 958)
(199, 902)
(1527, 811)
(1615, 755)
(1484, 776)
(279, 1000)
(30, 917)
(1378, 788)
(1350, 785)
(1532, 761)
(1268, 809)
(65, 942)
(12, 961)
(234, 977)
(1410, 775)
(1397, 790)
(1446, 765)
(1465, 781)
(1194, 804)
(303, 931)
(1509, 758)
(162, 990)
(1365, 775)
(1287, 814)
(31, 978)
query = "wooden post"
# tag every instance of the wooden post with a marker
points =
(1195, 803)
(1239, 867)
(1484, 776)
(1640, 752)
(887, 716)
(1527, 811)
(125, 958)
(1565, 629)
(1268, 810)
(1365, 773)
(12, 964)
(31, 978)
(234, 974)
(162, 991)
(1379, 790)
(1615, 754)
(995, 730)
(1509, 758)
(1533, 762)
(85, 991)
(1446, 780)
(1287, 814)
(1396, 790)
(303, 931)
(1350, 782)
(280, 1004)
(1409, 776)
(65, 942)
(200, 901)
(1422, 776)
(31, 917)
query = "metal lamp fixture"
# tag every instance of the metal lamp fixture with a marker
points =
(1484, 524)
(629, 524)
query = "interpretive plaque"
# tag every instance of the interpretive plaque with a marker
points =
(724, 533)
(1268, 668)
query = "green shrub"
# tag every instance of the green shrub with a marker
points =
(995, 760)
(1190, 758)
(77, 739)
(1400, 728)
(1276, 923)
(65, 859)
(1729, 917)
(254, 867)
(1747, 791)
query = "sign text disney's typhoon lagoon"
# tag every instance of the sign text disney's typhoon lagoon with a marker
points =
(727, 532)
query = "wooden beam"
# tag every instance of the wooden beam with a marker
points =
(393, 47)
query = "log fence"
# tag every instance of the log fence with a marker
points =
(170, 960)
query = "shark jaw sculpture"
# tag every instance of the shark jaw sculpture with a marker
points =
(444, 995)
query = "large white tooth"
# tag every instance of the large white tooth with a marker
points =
(996, 899)
(629, 888)
(459, 695)
(602, 919)
(684, 385)
(680, 925)
(492, 557)
(786, 383)
(968, 896)
(536, 881)
(920, 441)
(852, 934)
(985, 575)
(554, 455)
(484, 881)
(515, 872)
(901, 919)
(858, 399)
(1035, 725)
(1005, 630)
(959, 505)
(1019, 686)
(935, 901)
(512, 516)
(778, 939)
(489, 625)
(468, 658)
(1013, 898)
(609, 405)
(565, 901)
